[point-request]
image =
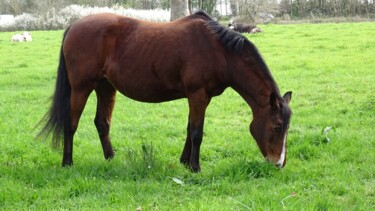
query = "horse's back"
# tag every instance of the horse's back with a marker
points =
(94, 31)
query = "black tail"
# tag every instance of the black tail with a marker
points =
(57, 119)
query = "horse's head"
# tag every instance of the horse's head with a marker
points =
(251, 78)
(270, 128)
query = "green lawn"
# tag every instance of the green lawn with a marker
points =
(329, 67)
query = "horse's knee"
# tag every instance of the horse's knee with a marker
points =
(196, 137)
(196, 146)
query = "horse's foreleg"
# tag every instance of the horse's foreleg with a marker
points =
(77, 104)
(106, 95)
(198, 103)
(186, 153)
(196, 133)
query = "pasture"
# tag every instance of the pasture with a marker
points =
(331, 144)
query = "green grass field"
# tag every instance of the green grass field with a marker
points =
(329, 67)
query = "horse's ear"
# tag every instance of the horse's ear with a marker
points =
(287, 97)
(273, 100)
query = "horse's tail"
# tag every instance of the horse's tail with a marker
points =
(57, 119)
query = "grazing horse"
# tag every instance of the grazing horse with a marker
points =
(194, 58)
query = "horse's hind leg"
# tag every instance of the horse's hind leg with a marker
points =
(77, 103)
(106, 95)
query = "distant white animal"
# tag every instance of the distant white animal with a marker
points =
(25, 36)
(243, 27)
(255, 30)
(18, 38)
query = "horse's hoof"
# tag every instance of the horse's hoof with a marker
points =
(184, 161)
(195, 169)
(109, 156)
(67, 163)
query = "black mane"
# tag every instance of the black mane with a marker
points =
(236, 42)
(231, 39)
(203, 14)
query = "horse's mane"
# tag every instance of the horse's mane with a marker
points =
(236, 42)
(231, 39)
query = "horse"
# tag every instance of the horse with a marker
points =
(194, 57)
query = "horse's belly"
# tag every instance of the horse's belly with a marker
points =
(154, 96)
(152, 91)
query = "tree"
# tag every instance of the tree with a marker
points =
(251, 9)
(234, 7)
(179, 9)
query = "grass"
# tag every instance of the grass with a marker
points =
(329, 68)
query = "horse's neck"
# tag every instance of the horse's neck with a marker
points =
(255, 86)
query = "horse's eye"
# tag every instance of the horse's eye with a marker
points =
(277, 129)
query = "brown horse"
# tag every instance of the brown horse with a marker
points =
(194, 58)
